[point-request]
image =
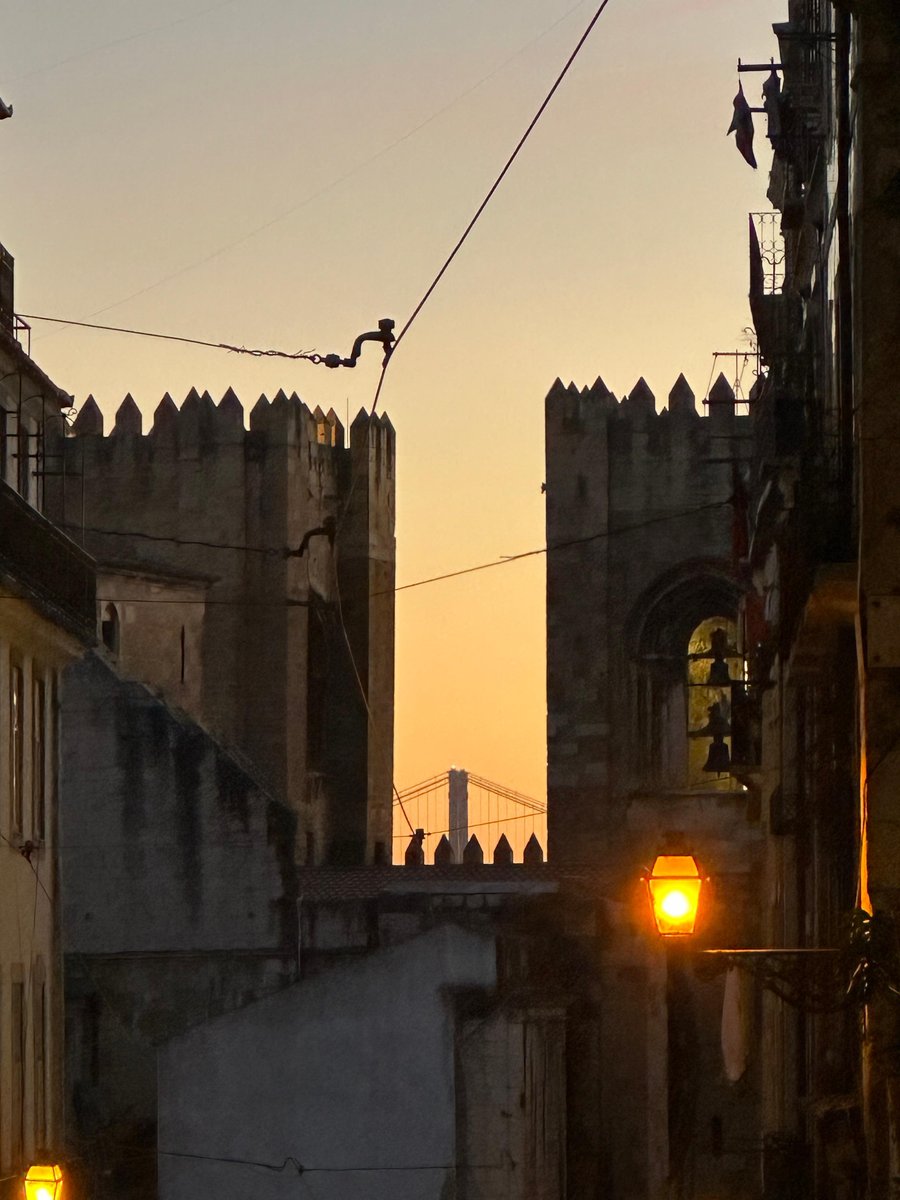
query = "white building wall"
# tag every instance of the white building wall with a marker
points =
(351, 1074)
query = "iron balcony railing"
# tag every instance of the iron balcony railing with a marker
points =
(40, 564)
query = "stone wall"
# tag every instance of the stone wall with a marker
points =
(288, 536)
(639, 530)
(178, 890)
(641, 514)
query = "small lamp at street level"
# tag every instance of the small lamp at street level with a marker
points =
(43, 1182)
(673, 885)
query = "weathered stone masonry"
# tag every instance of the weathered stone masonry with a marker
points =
(198, 527)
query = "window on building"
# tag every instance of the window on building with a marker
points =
(714, 664)
(17, 1074)
(16, 745)
(23, 460)
(39, 760)
(684, 642)
(109, 628)
(39, 1039)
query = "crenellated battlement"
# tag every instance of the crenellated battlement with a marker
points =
(473, 852)
(201, 424)
(591, 425)
(587, 404)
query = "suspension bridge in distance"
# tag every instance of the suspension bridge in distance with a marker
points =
(457, 816)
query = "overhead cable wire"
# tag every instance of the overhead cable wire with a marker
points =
(490, 194)
(301, 1169)
(411, 319)
(39, 882)
(309, 355)
(552, 548)
(565, 545)
(131, 37)
(365, 699)
(359, 166)
(161, 537)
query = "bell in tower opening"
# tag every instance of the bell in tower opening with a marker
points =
(719, 675)
(718, 759)
(714, 667)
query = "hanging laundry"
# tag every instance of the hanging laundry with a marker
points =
(742, 126)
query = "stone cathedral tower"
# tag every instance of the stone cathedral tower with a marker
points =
(248, 574)
(643, 644)
(640, 527)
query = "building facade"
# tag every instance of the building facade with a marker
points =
(426, 1050)
(823, 568)
(235, 720)
(722, 606)
(644, 680)
(47, 615)
(231, 719)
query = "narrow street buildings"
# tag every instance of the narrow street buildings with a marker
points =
(235, 722)
(196, 697)
(723, 669)
(47, 621)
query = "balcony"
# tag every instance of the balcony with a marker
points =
(777, 315)
(46, 568)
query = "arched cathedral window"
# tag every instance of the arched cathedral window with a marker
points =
(686, 668)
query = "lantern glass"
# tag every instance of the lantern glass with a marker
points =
(43, 1182)
(674, 885)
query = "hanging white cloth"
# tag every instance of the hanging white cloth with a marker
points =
(735, 1025)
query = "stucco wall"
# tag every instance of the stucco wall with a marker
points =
(350, 1074)
(30, 980)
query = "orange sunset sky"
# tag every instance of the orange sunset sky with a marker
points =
(284, 173)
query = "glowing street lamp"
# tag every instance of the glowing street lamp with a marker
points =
(806, 977)
(673, 886)
(43, 1182)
